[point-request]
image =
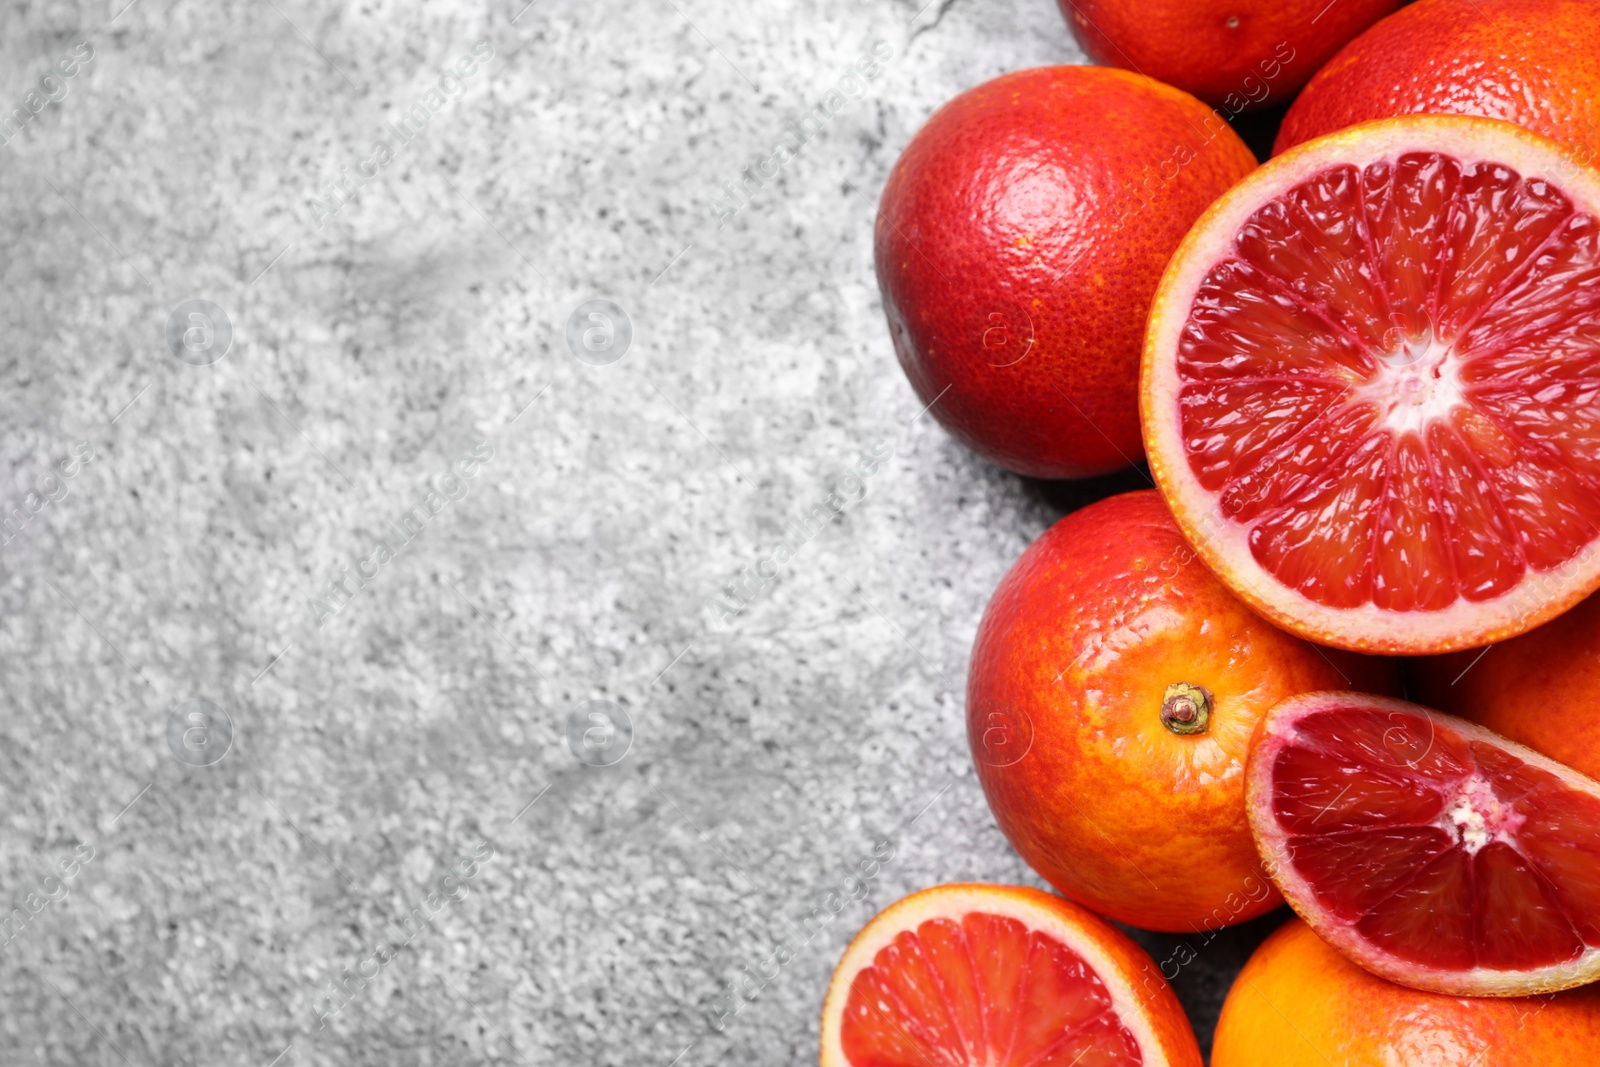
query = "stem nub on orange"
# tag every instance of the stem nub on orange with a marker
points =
(1114, 688)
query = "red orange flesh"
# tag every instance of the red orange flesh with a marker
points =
(1372, 385)
(1427, 849)
(999, 976)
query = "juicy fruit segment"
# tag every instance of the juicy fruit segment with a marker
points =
(982, 989)
(1427, 849)
(999, 976)
(1391, 382)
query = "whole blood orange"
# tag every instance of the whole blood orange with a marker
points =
(1236, 54)
(1298, 1003)
(997, 976)
(1114, 688)
(1532, 62)
(1536, 689)
(1427, 849)
(1370, 385)
(1019, 241)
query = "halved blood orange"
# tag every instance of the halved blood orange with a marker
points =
(1371, 385)
(999, 976)
(1427, 849)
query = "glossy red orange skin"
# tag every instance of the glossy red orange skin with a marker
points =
(1532, 62)
(1237, 54)
(1020, 238)
(1298, 1003)
(1069, 670)
(1540, 689)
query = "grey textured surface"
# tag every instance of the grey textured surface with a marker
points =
(378, 748)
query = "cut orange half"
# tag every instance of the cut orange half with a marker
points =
(1427, 849)
(999, 976)
(1371, 385)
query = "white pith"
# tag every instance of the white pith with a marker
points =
(1416, 384)
(1476, 816)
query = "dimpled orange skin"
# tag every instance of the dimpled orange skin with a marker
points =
(1539, 688)
(1019, 242)
(1298, 1003)
(1236, 54)
(1064, 699)
(1532, 62)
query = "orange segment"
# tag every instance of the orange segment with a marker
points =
(1428, 920)
(1277, 336)
(1313, 239)
(1520, 922)
(1427, 849)
(1013, 1000)
(1371, 385)
(996, 976)
(1355, 872)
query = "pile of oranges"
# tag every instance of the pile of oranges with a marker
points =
(1365, 378)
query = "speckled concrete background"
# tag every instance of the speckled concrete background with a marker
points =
(403, 766)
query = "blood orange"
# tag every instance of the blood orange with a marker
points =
(1097, 640)
(1532, 62)
(1536, 689)
(1000, 977)
(1370, 381)
(1427, 849)
(1020, 238)
(1236, 54)
(1298, 1003)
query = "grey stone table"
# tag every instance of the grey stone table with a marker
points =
(372, 690)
